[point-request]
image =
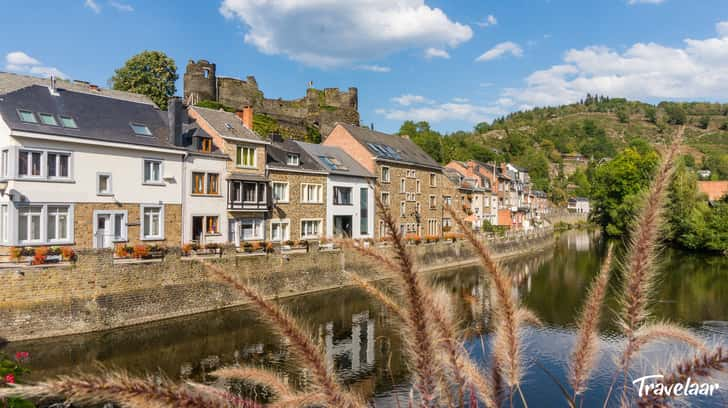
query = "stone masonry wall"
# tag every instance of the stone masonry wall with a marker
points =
(97, 293)
(295, 210)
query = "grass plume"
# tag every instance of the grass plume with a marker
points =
(259, 376)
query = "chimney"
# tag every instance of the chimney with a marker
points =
(405, 137)
(93, 87)
(246, 115)
(175, 109)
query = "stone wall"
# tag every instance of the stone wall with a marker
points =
(98, 293)
(295, 210)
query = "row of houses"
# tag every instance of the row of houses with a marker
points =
(93, 168)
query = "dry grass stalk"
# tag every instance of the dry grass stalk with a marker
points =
(371, 253)
(584, 354)
(125, 390)
(312, 399)
(526, 316)
(507, 340)
(301, 342)
(382, 297)
(667, 331)
(260, 376)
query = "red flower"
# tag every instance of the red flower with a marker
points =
(21, 355)
(10, 379)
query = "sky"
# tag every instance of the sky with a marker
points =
(452, 63)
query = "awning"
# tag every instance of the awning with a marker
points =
(246, 177)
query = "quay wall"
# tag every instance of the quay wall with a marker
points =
(98, 292)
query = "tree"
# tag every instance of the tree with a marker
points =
(150, 73)
(675, 114)
(481, 127)
(704, 122)
(651, 114)
(623, 115)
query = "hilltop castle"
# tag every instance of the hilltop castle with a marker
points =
(317, 112)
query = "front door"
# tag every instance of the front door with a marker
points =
(342, 226)
(197, 228)
(104, 231)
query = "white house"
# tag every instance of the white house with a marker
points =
(85, 166)
(579, 205)
(350, 193)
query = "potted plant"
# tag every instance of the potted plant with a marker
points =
(141, 251)
(40, 255)
(15, 253)
(68, 254)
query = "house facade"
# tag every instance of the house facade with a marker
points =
(409, 182)
(85, 167)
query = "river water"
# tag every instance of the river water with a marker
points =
(363, 342)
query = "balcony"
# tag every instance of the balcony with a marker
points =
(251, 194)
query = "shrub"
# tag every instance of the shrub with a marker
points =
(289, 242)
(68, 253)
(186, 249)
(431, 238)
(39, 258)
(256, 247)
(141, 251)
(269, 247)
(451, 236)
(213, 245)
(413, 238)
(121, 251)
(247, 246)
(16, 253)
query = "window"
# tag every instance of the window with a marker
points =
(141, 129)
(433, 180)
(385, 174)
(310, 229)
(385, 198)
(29, 220)
(48, 119)
(311, 193)
(212, 226)
(293, 159)
(119, 233)
(27, 116)
(446, 224)
(250, 192)
(333, 163)
(152, 222)
(411, 173)
(29, 163)
(58, 164)
(4, 168)
(57, 224)
(417, 207)
(4, 223)
(447, 201)
(402, 185)
(279, 230)
(103, 184)
(410, 196)
(403, 208)
(433, 201)
(342, 196)
(364, 211)
(251, 229)
(152, 171)
(432, 227)
(213, 185)
(206, 144)
(245, 157)
(417, 186)
(68, 122)
(280, 192)
(198, 183)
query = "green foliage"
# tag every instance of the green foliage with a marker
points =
(717, 164)
(264, 125)
(582, 183)
(312, 135)
(675, 114)
(651, 114)
(704, 122)
(14, 369)
(623, 115)
(689, 160)
(617, 187)
(481, 127)
(214, 105)
(150, 73)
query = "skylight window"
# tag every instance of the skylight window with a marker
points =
(141, 129)
(27, 116)
(68, 122)
(333, 163)
(385, 151)
(48, 119)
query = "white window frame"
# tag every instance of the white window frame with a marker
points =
(4, 218)
(124, 237)
(68, 224)
(402, 208)
(432, 201)
(418, 186)
(433, 179)
(386, 170)
(142, 222)
(13, 234)
(29, 164)
(293, 159)
(5, 165)
(402, 185)
(304, 196)
(110, 191)
(151, 182)
(385, 197)
(241, 148)
(41, 227)
(320, 228)
(279, 222)
(58, 153)
(432, 227)
(261, 229)
(287, 191)
(418, 207)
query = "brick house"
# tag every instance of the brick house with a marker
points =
(247, 189)
(298, 185)
(85, 166)
(409, 181)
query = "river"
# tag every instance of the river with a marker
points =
(363, 343)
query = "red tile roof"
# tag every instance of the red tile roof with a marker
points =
(714, 189)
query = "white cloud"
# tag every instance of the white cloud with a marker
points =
(331, 33)
(121, 6)
(373, 68)
(645, 70)
(446, 111)
(501, 49)
(722, 28)
(632, 2)
(488, 21)
(18, 61)
(409, 99)
(431, 53)
(460, 100)
(92, 5)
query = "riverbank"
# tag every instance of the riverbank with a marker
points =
(99, 293)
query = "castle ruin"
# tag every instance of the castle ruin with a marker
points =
(316, 112)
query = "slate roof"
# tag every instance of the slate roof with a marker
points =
(277, 157)
(98, 117)
(407, 151)
(351, 166)
(192, 133)
(227, 124)
(12, 82)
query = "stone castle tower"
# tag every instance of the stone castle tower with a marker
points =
(314, 113)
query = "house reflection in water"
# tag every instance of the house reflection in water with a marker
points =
(353, 356)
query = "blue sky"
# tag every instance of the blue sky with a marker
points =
(453, 63)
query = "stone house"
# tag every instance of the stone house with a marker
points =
(85, 166)
(409, 182)
(349, 193)
(484, 202)
(298, 185)
(247, 190)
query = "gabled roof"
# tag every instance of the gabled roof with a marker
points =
(192, 133)
(348, 166)
(391, 147)
(97, 117)
(227, 124)
(12, 82)
(277, 157)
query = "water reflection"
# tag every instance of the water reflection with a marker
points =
(362, 341)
